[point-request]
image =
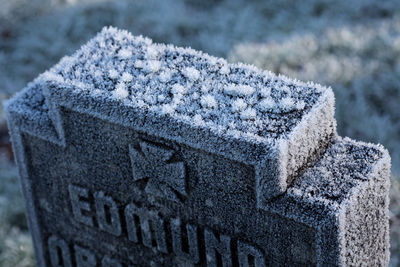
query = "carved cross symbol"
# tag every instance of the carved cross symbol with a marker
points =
(165, 177)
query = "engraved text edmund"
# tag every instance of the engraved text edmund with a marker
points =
(145, 227)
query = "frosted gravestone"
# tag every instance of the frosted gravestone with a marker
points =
(139, 154)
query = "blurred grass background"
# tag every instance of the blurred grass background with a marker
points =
(353, 46)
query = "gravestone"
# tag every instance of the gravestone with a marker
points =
(139, 154)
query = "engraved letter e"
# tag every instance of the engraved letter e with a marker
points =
(78, 205)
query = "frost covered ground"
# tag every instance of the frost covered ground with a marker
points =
(353, 46)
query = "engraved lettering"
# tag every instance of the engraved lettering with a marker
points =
(249, 255)
(57, 245)
(151, 219)
(110, 262)
(217, 250)
(152, 227)
(130, 212)
(84, 257)
(192, 238)
(103, 204)
(78, 205)
(60, 255)
(148, 228)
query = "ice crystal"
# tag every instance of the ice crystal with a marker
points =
(127, 77)
(191, 73)
(120, 91)
(208, 101)
(239, 105)
(239, 90)
(248, 113)
(178, 89)
(267, 104)
(124, 53)
(113, 73)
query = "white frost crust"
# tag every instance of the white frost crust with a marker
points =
(239, 90)
(120, 91)
(222, 94)
(191, 73)
(379, 172)
(113, 74)
(317, 126)
(152, 66)
(239, 105)
(125, 53)
(248, 114)
(208, 101)
(178, 89)
(126, 77)
(282, 150)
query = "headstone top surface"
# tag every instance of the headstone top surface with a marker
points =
(345, 164)
(188, 85)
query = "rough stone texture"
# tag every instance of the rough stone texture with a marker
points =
(87, 200)
(113, 181)
(348, 187)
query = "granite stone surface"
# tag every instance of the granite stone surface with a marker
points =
(113, 178)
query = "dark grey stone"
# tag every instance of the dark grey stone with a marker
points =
(109, 182)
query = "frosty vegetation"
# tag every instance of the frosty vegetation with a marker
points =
(15, 241)
(352, 46)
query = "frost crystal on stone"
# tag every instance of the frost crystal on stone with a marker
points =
(151, 52)
(178, 89)
(198, 119)
(164, 76)
(127, 77)
(113, 73)
(195, 96)
(265, 92)
(208, 101)
(152, 66)
(139, 64)
(238, 105)
(125, 53)
(204, 89)
(50, 76)
(120, 91)
(98, 74)
(300, 105)
(161, 98)
(167, 109)
(248, 114)
(224, 69)
(287, 104)
(191, 73)
(239, 90)
(267, 104)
